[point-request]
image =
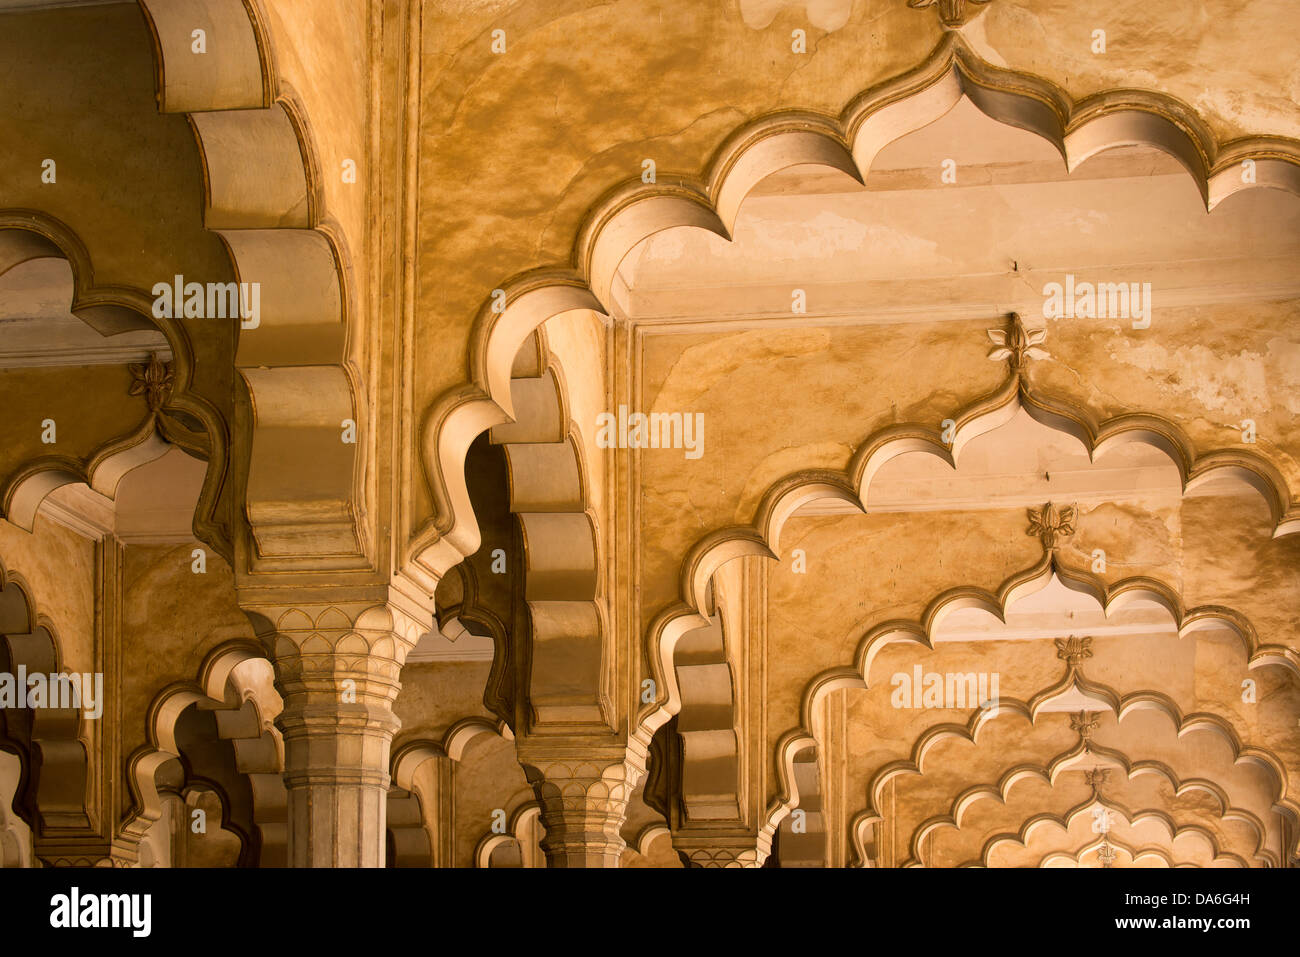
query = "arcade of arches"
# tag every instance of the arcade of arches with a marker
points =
(860, 433)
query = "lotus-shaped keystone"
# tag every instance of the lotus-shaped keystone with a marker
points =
(1017, 343)
(153, 380)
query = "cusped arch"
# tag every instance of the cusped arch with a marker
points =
(1042, 822)
(1284, 802)
(57, 765)
(1048, 773)
(263, 197)
(236, 680)
(1135, 854)
(414, 842)
(507, 850)
(549, 485)
(847, 143)
(761, 537)
(27, 235)
(1109, 597)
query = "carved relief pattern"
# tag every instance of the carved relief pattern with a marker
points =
(1085, 723)
(1016, 344)
(1074, 650)
(952, 13)
(1051, 524)
(153, 380)
(76, 860)
(584, 805)
(723, 857)
(339, 663)
(1097, 778)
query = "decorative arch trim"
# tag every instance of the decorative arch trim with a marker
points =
(634, 211)
(29, 234)
(270, 215)
(259, 749)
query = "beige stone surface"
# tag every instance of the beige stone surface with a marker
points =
(373, 579)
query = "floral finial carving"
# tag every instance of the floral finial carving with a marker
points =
(952, 13)
(1074, 650)
(153, 380)
(1106, 853)
(1085, 723)
(1097, 777)
(1015, 343)
(1051, 524)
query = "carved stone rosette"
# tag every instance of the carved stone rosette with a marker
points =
(338, 666)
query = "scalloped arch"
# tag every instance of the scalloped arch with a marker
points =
(875, 639)
(999, 792)
(1041, 821)
(1135, 854)
(1284, 803)
(762, 536)
(550, 496)
(29, 234)
(847, 143)
(263, 198)
(673, 624)
(525, 816)
(236, 680)
(31, 640)
(407, 797)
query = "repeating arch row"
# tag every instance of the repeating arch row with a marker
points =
(847, 143)
(52, 737)
(761, 537)
(1048, 773)
(1284, 802)
(1044, 821)
(1110, 597)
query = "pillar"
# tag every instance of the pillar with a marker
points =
(583, 794)
(337, 666)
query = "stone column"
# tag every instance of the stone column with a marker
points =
(337, 666)
(583, 795)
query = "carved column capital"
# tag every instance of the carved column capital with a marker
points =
(345, 627)
(701, 847)
(82, 854)
(583, 793)
(338, 665)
